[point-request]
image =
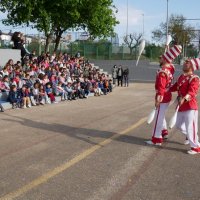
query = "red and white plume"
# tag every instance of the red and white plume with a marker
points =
(169, 39)
(172, 121)
(151, 116)
(141, 49)
(195, 63)
(172, 53)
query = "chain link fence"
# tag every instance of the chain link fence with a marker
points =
(101, 50)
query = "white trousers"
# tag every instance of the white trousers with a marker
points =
(187, 123)
(160, 122)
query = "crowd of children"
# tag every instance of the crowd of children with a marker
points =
(41, 78)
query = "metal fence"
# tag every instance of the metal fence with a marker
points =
(98, 50)
(105, 51)
(102, 51)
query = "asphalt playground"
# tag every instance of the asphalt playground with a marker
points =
(94, 149)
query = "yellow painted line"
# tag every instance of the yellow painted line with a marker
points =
(45, 177)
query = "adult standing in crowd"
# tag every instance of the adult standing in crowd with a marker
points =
(187, 87)
(120, 75)
(125, 75)
(18, 40)
(163, 96)
(114, 74)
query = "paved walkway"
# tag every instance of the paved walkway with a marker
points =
(93, 150)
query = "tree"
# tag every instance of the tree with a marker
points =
(153, 51)
(55, 17)
(181, 32)
(84, 14)
(28, 13)
(132, 41)
(97, 17)
(198, 41)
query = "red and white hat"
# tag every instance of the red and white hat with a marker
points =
(172, 53)
(195, 63)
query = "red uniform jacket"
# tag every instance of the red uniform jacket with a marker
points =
(163, 82)
(187, 87)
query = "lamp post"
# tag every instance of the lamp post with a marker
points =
(127, 18)
(143, 24)
(167, 32)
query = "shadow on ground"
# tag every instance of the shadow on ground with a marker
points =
(87, 135)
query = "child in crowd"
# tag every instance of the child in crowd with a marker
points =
(81, 92)
(17, 81)
(50, 94)
(110, 85)
(31, 96)
(54, 82)
(101, 86)
(70, 91)
(14, 97)
(27, 81)
(6, 83)
(106, 85)
(24, 92)
(61, 92)
(42, 95)
(97, 90)
(2, 85)
(36, 93)
(1, 90)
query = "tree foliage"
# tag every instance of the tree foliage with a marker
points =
(181, 32)
(153, 51)
(55, 17)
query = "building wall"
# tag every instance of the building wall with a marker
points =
(5, 37)
(6, 54)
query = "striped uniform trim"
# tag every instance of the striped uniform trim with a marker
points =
(192, 77)
(168, 75)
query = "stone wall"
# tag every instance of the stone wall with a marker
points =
(6, 54)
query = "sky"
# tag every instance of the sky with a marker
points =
(152, 12)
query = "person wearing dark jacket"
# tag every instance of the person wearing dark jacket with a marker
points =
(120, 75)
(125, 75)
(14, 97)
(114, 74)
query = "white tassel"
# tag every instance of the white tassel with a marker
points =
(169, 39)
(141, 49)
(151, 116)
(172, 121)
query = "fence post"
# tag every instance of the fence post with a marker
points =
(71, 48)
(97, 52)
(39, 43)
(122, 52)
(109, 51)
(84, 50)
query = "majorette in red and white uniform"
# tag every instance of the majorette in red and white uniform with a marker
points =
(163, 82)
(187, 86)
